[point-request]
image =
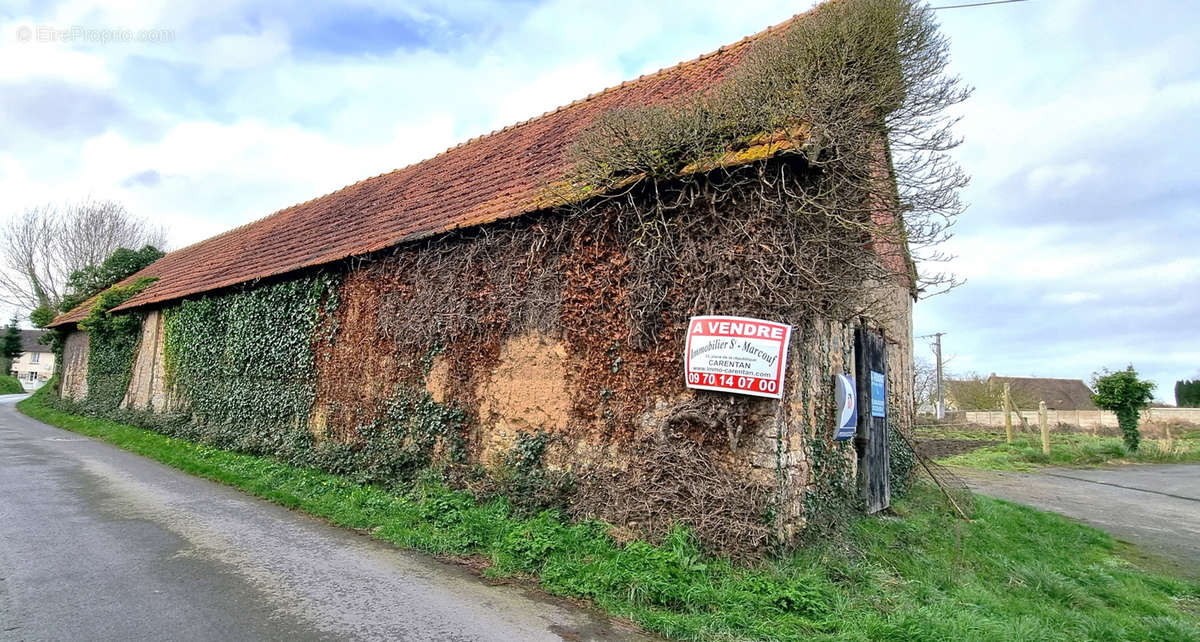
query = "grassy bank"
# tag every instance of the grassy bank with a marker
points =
(1077, 450)
(10, 385)
(1013, 573)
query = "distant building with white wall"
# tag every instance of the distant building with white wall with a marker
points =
(35, 365)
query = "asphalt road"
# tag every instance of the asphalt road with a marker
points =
(100, 544)
(1155, 506)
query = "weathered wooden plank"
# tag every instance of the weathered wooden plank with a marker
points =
(872, 438)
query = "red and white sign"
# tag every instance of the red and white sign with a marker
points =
(736, 354)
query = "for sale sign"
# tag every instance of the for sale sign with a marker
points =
(736, 354)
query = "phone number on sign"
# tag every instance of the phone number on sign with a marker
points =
(730, 381)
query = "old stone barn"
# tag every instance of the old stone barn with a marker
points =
(509, 316)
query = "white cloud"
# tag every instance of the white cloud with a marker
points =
(553, 88)
(247, 125)
(241, 51)
(216, 176)
(32, 59)
(1061, 176)
(1070, 298)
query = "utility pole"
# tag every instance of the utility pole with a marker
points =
(937, 349)
(941, 402)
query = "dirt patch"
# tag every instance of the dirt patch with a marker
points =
(439, 378)
(938, 448)
(526, 392)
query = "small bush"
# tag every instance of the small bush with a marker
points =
(1125, 394)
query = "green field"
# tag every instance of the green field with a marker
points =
(918, 573)
(1073, 450)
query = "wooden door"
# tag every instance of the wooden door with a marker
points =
(871, 440)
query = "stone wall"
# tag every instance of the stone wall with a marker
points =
(535, 381)
(147, 383)
(74, 366)
(898, 332)
(1152, 421)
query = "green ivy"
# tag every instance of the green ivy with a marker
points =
(430, 355)
(112, 343)
(903, 462)
(241, 367)
(241, 363)
(831, 497)
(528, 449)
(403, 441)
(524, 480)
(241, 374)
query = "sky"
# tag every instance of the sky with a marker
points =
(1079, 247)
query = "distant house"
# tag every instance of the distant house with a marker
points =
(1059, 394)
(1026, 392)
(35, 366)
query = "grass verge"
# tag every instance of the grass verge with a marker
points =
(1012, 573)
(1077, 450)
(10, 385)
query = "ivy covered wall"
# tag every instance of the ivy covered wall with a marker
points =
(241, 364)
(466, 355)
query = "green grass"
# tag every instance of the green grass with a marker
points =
(956, 433)
(1013, 573)
(1077, 450)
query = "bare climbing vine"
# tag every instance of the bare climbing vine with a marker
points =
(857, 91)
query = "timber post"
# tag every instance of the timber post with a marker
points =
(1007, 416)
(1044, 424)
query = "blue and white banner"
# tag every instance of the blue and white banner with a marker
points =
(846, 398)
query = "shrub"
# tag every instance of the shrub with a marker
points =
(10, 385)
(1126, 395)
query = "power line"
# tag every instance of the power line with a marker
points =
(976, 4)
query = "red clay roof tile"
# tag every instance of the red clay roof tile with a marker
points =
(497, 176)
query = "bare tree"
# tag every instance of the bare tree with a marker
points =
(971, 391)
(42, 247)
(924, 383)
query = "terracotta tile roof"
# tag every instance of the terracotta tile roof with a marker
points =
(497, 176)
(1059, 394)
